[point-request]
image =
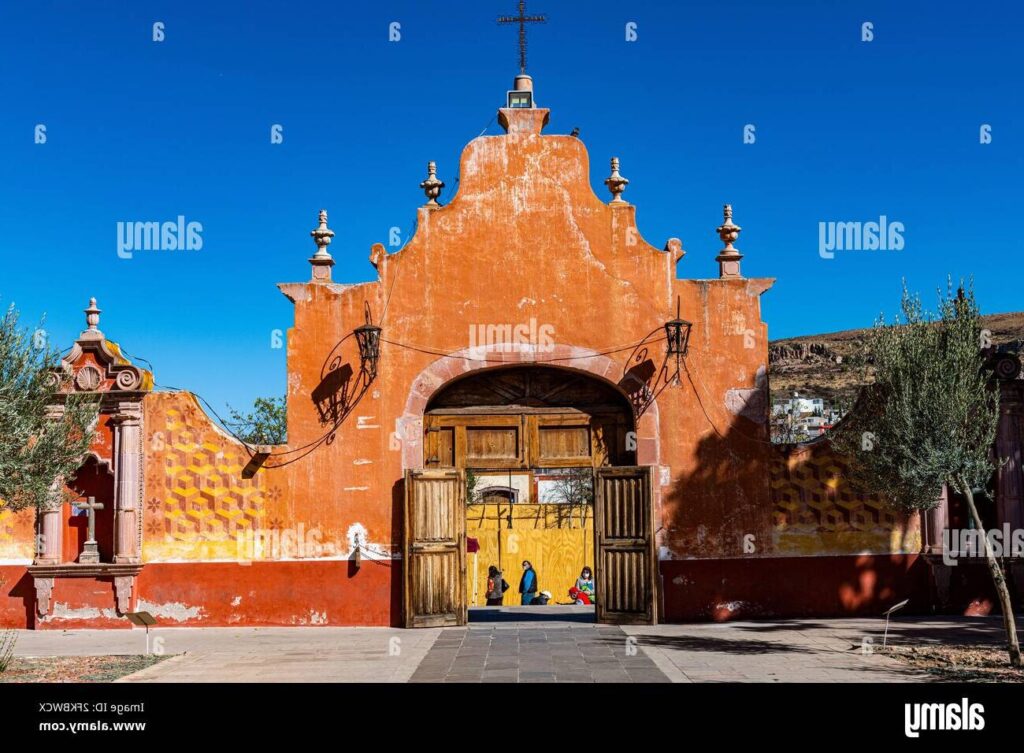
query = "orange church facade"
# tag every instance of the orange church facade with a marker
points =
(468, 364)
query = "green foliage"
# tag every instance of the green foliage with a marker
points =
(266, 424)
(39, 450)
(929, 417)
(472, 480)
(7, 640)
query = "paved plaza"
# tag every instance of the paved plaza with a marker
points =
(535, 644)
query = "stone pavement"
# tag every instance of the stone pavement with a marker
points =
(526, 644)
(553, 644)
(784, 650)
(290, 654)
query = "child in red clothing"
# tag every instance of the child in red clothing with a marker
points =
(578, 596)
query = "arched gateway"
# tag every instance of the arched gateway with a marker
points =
(521, 435)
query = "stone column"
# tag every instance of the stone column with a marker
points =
(49, 549)
(128, 492)
(50, 537)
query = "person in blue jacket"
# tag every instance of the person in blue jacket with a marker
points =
(528, 583)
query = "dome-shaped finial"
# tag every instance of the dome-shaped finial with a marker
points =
(616, 183)
(321, 260)
(92, 317)
(322, 235)
(729, 257)
(432, 186)
(727, 231)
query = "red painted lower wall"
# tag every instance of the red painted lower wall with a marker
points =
(791, 586)
(843, 586)
(215, 594)
(17, 597)
(308, 592)
(335, 592)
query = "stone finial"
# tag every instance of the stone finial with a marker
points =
(432, 186)
(92, 316)
(322, 235)
(616, 183)
(729, 257)
(321, 260)
(92, 320)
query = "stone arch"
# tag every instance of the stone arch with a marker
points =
(568, 357)
(510, 492)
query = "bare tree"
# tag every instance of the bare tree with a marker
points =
(575, 488)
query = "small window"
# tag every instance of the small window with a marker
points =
(520, 99)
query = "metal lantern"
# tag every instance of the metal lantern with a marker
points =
(678, 335)
(368, 337)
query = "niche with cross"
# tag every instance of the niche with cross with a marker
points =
(93, 487)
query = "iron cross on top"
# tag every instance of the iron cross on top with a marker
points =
(522, 19)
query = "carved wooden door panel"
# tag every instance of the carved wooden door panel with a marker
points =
(434, 548)
(626, 571)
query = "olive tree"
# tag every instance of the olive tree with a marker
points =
(40, 448)
(929, 419)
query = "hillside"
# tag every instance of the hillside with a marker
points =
(831, 365)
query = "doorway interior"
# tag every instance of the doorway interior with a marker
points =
(531, 463)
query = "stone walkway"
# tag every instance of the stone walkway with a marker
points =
(781, 650)
(293, 654)
(531, 644)
(500, 646)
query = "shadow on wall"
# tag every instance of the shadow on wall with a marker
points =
(331, 396)
(340, 388)
(397, 564)
(714, 510)
(25, 590)
(771, 531)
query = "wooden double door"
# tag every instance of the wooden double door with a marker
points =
(434, 546)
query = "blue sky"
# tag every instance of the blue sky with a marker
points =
(139, 130)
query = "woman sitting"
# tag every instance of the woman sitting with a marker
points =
(585, 583)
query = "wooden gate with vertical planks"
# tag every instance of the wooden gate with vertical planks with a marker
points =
(434, 548)
(626, 571)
